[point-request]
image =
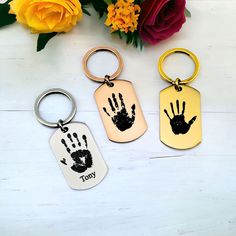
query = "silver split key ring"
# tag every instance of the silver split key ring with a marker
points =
(74, 147)
(60, 122)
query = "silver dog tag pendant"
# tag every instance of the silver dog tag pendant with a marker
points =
(78, 156)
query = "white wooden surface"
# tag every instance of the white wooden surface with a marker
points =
(150, 189)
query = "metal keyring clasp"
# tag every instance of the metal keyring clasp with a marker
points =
(99, 49)
(178, 50)
(60, 122)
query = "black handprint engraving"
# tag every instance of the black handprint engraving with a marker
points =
(63, 161)
(121, 118)
(178, 124)
(82, 157)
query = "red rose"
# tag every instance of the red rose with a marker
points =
(160, 19)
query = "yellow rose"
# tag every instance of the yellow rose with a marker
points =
(45, 16)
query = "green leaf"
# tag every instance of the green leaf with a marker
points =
(5, 17)
(100, 7)
(85, 11)
(131, 38)
(108, 2)
(139, 2)
(43, 39)
(140, 43)
(187, 13)
(120, 35)
(85, 2)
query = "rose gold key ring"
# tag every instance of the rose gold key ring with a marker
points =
(99, 49)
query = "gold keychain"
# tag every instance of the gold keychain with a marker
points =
(180, 107)
(117, 102)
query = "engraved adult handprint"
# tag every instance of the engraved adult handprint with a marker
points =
(121, 118)
(81, 156)
(178, 123)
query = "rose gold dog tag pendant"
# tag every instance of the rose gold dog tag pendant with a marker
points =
(74, 148)
(180, 108)
(117, 103)
(120, 111)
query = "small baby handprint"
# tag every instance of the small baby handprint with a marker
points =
(120, 118)
(178, 123)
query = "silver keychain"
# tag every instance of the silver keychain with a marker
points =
(74, 147)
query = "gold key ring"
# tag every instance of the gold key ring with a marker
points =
(99, 49)
(178, 50)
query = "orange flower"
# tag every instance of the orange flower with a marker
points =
(123, 16)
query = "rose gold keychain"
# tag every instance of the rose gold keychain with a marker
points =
(117, 102)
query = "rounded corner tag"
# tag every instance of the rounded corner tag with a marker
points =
(180, 117)
(78, 156)
(120, 111)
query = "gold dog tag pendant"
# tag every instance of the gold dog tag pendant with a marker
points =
(180, 108)
(120, 111)
(180, 117)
